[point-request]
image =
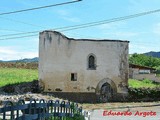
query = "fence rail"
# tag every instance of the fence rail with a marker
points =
(40, 110)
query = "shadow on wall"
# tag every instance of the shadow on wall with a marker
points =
(86, 97)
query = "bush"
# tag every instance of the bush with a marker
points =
(9, 89)
(147, 81)
(137, 94)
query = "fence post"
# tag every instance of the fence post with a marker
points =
(32, 106)
(63, 114)
(20, 102)
(56, 108)
(9, 104)
(72, 109)
(41, 110)
(50, 108)
(80, 110)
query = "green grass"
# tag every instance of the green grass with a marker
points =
(15, 75)
(142, 84)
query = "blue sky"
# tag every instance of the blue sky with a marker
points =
(142, 32)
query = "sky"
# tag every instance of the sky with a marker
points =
(143, 32)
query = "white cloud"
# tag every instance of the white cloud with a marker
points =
(142, 47)
(6, 50)
(11, 53)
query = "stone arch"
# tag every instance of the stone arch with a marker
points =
(102, 82)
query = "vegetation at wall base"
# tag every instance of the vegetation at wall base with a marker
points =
(144, 94)
(143, 90)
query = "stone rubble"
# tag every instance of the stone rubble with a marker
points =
(26, 91)
(27, 96)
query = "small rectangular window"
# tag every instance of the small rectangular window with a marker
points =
(73, 76)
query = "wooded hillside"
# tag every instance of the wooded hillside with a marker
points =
(141, 59)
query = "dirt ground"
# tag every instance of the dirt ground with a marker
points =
(131, 106)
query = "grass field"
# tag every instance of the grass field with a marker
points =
(145, 83)
(17, 75)
(14, 75)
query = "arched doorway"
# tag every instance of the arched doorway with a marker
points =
(105, 90)
(106, 93)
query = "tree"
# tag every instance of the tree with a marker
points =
(143, 60)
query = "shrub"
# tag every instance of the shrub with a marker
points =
(144, 93)
(9, 89)
(147, 81)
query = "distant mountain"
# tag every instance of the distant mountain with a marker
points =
(30, 60)
(24, 60)
(153, 54)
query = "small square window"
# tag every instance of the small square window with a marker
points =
(73, 76)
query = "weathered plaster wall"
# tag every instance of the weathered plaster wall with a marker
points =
(60, 56)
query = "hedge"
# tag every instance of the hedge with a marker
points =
(144, 94)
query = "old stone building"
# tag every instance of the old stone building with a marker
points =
(68, 65)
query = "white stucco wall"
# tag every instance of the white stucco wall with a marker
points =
(60, 56)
